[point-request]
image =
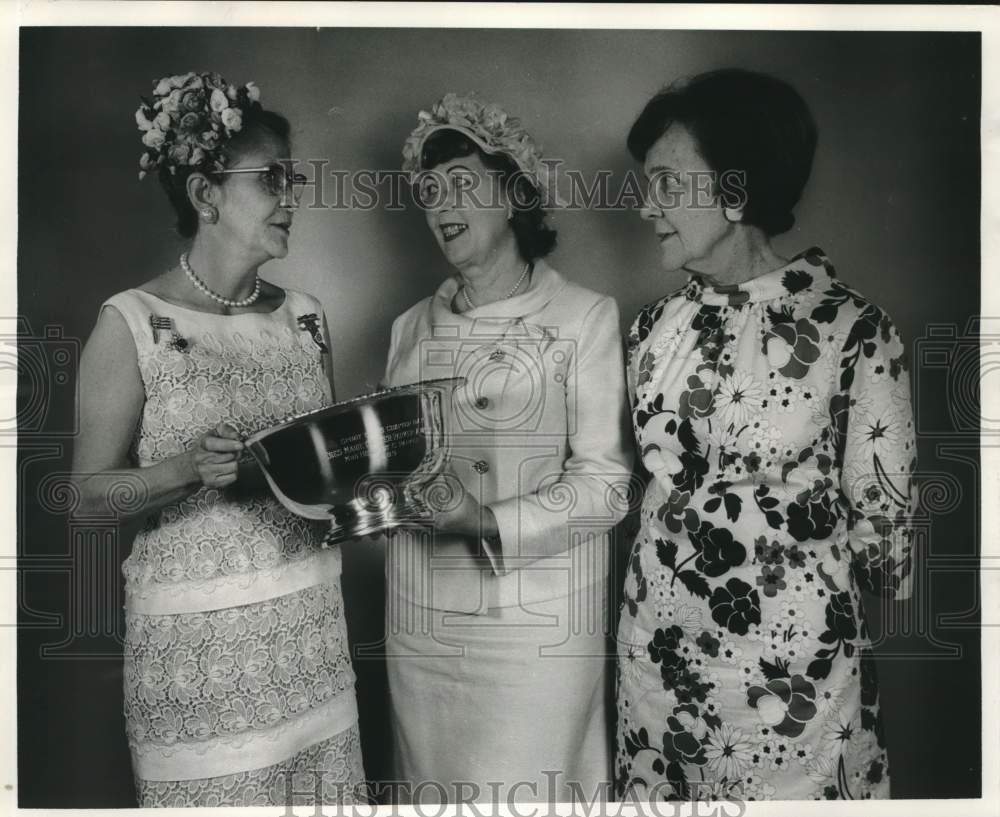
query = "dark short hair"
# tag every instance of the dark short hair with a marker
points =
(256, 121)
(534, 237)
(741, 121)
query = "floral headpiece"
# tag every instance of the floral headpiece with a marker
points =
(188, 120)
(490, 127)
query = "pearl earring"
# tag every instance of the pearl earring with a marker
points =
(733, 215)
(209, 215)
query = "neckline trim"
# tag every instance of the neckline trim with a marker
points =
(800, 273)
(546, 284)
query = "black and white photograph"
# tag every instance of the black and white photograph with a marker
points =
(500, 405)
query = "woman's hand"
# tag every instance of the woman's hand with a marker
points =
(455, 510)
(214, 458)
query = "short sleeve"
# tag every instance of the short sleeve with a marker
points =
(874, 417)
(137, 315)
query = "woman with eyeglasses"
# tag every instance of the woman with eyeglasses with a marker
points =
(239, 688)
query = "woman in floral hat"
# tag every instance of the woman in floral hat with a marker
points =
(238, 681)
(771, 408)
(496, 624)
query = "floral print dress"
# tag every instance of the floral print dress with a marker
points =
(238, 680)
(774, 419)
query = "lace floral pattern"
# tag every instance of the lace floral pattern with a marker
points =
(205, 536)
(246, 672)
(200, 676)
(331, 768)
(251, 377)
(249, 381)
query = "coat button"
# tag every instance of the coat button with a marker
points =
(482, 402)
(481, 467)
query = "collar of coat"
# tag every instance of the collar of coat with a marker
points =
(546, 283)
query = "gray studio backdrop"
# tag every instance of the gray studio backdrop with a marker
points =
(893, 200)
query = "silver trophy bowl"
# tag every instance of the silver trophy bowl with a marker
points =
(361, 463)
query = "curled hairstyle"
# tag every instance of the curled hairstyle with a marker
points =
(256, 122)
(535, 239)
(741, 121)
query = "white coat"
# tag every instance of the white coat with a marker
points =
(497, 658)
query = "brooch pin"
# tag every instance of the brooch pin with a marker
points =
(176, 342)
(310, 323)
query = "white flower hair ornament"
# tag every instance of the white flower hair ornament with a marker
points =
(491, 128)
(188, 120)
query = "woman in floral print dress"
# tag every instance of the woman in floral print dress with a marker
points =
(771, 408)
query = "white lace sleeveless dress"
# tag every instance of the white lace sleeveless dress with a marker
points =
(238, 681)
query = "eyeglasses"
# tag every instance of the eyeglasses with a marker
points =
(279, 179)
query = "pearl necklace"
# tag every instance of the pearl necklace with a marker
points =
(513, 289)
(203, 287)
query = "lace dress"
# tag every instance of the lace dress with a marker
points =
(238, 681)
(775, 420)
